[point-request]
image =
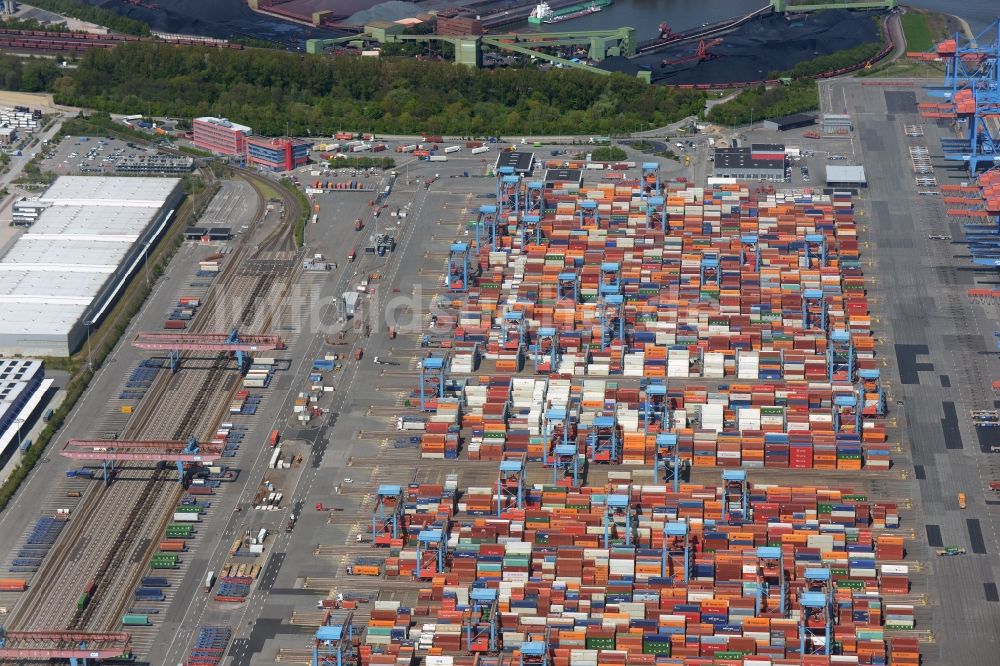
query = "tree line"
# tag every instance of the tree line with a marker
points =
(278, 92)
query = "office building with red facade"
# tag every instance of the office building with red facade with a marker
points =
(277, 154)
(220, 135)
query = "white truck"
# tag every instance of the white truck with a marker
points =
(410, 423)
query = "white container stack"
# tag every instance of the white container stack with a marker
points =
(632, 364)
(678, 363)
(714, 365)
(711, 417)
(747, 365)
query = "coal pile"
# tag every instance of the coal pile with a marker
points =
(222, 19)
(755, 50)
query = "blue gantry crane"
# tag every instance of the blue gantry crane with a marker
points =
(459, 269)
(486, 227)
(676, 544)
(546, 350)
(840, 356)
(432, 542)
(561, 449)
(770, 575)
(611, 281)
(667, 464)
(656, 214)
(333, 644)
(508, 193)
(870, 382)
(387, 516)
(612, 316)
(603, 440)
(814, 247)
(750, 243)
(971, 62)
(482, 622)
(813, 309)
(568, 286)
(534, 198)
(587, 214)
(510, 482)
(817, 614)
(431, 380)
(977, 109)
(531, 229)
(655, 406)
(620, 520)
(845, 411)
(534, 652)
(650, 179)
(735, 496)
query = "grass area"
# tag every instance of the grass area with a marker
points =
(268, 191)
(916, 31)
(300, 224)
(906, 69)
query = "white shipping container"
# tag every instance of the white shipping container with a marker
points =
(452, 149)
(184, 517)
(438, 158)
(480, 150)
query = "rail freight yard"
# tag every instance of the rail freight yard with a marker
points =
(556, 414)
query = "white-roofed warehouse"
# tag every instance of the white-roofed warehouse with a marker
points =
(70, 266)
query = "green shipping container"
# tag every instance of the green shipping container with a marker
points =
(81, 603)
(600, 644)
(135, 620)
(662, 649)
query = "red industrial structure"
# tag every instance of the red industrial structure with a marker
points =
(72, 645)
(110, 450)
(175, 342)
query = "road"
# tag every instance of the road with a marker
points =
(18, 162)
(941, 357)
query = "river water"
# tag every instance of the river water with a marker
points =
(225, 18)
(646, 15)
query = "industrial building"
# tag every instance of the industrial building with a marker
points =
(22, 387)
(560, 178)
(794, 121)
(67, 271)
(8, 135)
(758, 162)
(458, 26)
(521, 163)
(220, 135)
(845, 176)
(277, 154)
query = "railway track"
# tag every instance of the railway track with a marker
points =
(115, 528)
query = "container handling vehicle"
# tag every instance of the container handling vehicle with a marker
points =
(950, 551)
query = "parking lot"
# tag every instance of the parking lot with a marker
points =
(90, 156)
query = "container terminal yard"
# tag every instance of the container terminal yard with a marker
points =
(472, 461)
